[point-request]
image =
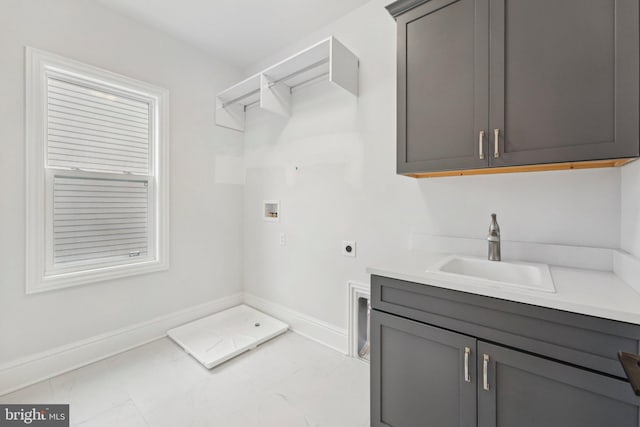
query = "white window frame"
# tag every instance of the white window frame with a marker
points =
(40, 273)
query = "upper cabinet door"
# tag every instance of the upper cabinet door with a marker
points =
(443, 52)
(564, 80)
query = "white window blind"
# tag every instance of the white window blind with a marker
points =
(99, 220)
(97, 174)
(91, 129)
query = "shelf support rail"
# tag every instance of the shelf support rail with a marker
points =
(240, 98)
(298, 72)
(272, 83)
(312, 79)
(291, 89)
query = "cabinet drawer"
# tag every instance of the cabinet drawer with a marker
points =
(581, 340)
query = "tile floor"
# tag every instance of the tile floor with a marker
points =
(289, 381)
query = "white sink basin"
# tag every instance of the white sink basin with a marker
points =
(468, 270)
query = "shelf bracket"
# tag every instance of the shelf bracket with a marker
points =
(230, 116)
(343, 68)
(275, 96)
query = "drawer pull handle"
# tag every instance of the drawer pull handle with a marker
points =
(485, 372)
(467, 377)
(481, 145)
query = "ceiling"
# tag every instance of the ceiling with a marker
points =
(240, 32)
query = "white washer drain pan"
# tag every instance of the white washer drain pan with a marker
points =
(221, 336)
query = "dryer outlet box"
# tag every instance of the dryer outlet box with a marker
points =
(349, 248)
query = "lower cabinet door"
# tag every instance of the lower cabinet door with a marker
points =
(421, 375)
(516, 389)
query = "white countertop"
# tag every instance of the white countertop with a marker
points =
(591, 292)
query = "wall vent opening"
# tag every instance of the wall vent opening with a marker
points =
(359, 321)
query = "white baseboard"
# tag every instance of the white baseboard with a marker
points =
(307, 326)
(32, 369)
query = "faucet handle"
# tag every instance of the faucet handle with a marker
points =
(494, 227)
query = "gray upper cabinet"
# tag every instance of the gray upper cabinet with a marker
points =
(494, 83)
(442, 85)
(564, 80)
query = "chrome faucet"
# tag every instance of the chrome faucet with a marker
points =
(494, 239)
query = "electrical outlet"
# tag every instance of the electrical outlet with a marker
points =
(283, 239)
(349, 248)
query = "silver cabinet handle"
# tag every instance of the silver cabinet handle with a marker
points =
(496, 143)
(481, 145)
(467, 377)
(485, 372)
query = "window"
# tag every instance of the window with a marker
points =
(97, 174)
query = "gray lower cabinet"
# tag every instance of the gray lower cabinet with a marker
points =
(493, 83)
(447, 358)
(523, 390)
(418, 374)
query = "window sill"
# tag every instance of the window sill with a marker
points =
(68, 280)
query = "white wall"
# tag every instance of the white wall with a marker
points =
(206, 218)
(345, 186)
(630, 212)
